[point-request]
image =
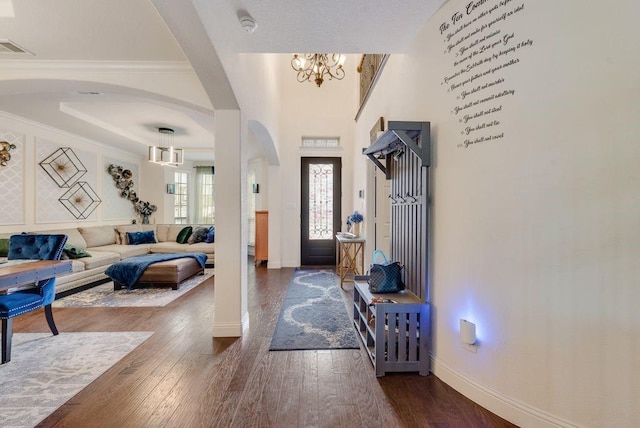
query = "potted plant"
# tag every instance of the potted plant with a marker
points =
(145, 209)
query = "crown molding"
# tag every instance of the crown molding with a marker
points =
(93, 66)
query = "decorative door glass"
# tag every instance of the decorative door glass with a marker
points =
(321, 201)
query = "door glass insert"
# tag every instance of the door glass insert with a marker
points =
(320, 201)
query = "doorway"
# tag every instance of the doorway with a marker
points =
(321, 192)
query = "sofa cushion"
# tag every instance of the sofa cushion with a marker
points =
(74, 237)
(145, 237)
(124, 250)
(168, 247)
(96, 236)
(100, 258)
(184, 234)
(162, 230)
(122, 231)
(202, 247)
(77, 266)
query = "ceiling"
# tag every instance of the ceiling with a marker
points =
(129, 39)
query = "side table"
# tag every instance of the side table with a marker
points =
(349, 258)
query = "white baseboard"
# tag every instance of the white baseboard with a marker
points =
(512, 410)
(228, 329)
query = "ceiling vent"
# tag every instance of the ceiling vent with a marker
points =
(8, 47)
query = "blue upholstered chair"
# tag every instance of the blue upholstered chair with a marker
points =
(41, 294)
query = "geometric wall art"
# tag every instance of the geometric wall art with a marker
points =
(61, 195)
(80, 200)
(65, 169)
(12, 179)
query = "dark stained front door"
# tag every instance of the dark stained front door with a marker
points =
(320, 217)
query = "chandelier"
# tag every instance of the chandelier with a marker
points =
(317, 67)
(164, 153)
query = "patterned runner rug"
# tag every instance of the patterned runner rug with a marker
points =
(45, 371)
(104, 295)
(314, 315)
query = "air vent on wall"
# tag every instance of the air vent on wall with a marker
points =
(9, 47)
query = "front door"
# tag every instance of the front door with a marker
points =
(320, 205)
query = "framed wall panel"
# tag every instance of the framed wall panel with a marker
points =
(65, 181)
(12, 180)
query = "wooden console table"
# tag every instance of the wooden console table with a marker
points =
(349, 258)
(19, 272)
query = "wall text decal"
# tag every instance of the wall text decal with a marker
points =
(482, 48)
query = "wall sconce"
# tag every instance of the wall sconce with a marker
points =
(256, 188)
(5, 156)
(467, 332)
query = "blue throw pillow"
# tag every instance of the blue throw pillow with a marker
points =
(211, 235)
(146, 237)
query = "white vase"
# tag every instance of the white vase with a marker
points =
(356, 229)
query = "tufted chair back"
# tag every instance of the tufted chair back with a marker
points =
(36, 247)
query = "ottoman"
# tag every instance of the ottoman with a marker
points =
(169, 273)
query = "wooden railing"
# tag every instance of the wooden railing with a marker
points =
(370, 68)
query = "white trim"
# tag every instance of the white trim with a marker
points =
(333, 152)
(508, 408)
(113, 151)
(231, 329)
(101, 66)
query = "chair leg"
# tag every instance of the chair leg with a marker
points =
(7, 333)
(49, 314)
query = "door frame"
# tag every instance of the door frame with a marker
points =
(304, 207)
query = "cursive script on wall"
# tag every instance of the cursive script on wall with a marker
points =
(481, 49)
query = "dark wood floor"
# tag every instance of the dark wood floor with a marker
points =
(182, 377)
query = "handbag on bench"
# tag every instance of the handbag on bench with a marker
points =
(385, 276)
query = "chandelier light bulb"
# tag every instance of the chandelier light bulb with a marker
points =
(318, 67)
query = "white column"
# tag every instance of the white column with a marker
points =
(231, 316)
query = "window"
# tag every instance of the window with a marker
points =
(320, 201)
(317, 142)
(205, 195)
(181, 201)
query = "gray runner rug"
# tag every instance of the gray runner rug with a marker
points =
(314, 315)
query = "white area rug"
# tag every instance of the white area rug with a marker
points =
(45, 371)
(104, 295)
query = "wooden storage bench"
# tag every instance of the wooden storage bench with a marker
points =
(396, 335)
(168, 273)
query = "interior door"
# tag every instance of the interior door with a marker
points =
(321, 190)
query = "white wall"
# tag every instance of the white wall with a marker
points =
(96, 157)
(307, 110)
(535, 235)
